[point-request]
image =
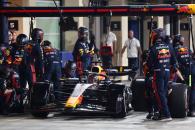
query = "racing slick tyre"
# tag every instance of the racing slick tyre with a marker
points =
(178, 100)
(138, 93)
(122, 104)
(40, 96)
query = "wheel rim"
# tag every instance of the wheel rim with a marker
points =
(125, 101)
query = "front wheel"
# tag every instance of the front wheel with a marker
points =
(121, 105)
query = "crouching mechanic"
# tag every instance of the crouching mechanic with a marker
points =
(5, 93)
(82, 53)
(161, 58)
(52, 64)
(187, 67)
(9, 86)
(18, 62)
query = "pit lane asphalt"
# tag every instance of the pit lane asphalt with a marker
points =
(84, 121)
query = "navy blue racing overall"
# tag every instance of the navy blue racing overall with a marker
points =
(161, 57)
(82, 57)
(185, 61)
(37, 52)
(81, 52)
(52, 65)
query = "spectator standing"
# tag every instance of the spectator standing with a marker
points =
(10, 36)
(133, 51)
(109, 41)
(14, 36)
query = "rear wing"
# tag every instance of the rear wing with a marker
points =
(119, 71)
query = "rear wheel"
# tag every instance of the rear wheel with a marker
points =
(40, 97)
(178, 100)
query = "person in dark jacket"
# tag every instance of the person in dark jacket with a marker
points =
(161, 58)
(52, 64)
(187, 67)
(82, 53)
(37, 52)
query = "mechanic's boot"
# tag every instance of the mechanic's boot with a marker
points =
(4, 111)
(156, 116)
(191, 113)
(149, 116)
(165, 118)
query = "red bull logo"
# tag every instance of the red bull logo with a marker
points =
(164, 53)
(183, 51)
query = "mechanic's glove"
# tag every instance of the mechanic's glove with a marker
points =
(81, 51)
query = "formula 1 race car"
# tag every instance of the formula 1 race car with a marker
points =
(95, 92)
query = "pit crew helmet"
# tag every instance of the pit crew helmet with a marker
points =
(168, 39)
(37, 34)
(178, 39)
(22, 39)
(83, 33)
(158, 34)
(46, 43)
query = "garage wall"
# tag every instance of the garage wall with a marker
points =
(23, 23)
(71, 36)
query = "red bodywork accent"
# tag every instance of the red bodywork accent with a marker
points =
(163, 9)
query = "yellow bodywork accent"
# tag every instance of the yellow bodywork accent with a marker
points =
(100, 71)
(191, 8)
(188, 9)
(72, 102)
